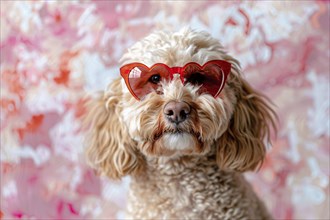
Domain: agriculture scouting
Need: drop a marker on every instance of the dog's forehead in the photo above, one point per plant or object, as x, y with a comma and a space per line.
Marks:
175, 49
171, 56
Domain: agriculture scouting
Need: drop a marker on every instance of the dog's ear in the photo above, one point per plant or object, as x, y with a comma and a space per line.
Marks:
110, 150
242, 146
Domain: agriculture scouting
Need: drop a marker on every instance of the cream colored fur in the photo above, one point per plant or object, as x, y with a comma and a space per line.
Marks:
193, 175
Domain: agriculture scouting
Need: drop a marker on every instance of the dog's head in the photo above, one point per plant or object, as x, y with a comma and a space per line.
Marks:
180, 95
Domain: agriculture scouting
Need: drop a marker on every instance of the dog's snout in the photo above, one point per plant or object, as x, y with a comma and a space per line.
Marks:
176, 112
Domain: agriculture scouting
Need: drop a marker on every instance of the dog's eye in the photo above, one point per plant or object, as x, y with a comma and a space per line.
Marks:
196, 78
155, 79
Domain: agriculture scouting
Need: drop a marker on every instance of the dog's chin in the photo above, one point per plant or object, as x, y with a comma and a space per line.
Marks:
173, 144
179, 141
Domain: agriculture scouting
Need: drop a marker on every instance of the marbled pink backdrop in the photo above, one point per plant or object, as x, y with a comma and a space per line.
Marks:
53, 52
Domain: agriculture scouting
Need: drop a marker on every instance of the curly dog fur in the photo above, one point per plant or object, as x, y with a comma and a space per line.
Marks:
194, 176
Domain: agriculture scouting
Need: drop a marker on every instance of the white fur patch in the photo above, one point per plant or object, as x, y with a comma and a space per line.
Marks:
179, 141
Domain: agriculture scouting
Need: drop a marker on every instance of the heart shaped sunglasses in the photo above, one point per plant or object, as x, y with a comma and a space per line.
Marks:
141, 79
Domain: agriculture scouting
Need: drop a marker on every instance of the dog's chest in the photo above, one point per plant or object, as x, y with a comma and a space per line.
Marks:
192, 192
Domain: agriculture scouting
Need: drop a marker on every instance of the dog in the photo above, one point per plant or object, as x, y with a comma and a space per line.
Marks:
184, 124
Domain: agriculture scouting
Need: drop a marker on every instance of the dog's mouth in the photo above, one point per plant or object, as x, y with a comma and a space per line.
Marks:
174, 141
178, 131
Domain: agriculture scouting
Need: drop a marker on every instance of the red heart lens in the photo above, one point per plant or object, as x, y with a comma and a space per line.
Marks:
210, 77
142, 80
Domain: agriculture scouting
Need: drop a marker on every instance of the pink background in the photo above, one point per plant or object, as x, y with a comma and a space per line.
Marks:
54, 52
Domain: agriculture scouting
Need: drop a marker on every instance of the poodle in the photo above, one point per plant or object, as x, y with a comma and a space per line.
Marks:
184, 124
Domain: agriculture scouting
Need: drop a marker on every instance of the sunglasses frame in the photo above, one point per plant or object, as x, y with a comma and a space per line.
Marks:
224, 65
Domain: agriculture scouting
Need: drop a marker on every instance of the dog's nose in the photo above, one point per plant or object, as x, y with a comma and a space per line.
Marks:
176, 112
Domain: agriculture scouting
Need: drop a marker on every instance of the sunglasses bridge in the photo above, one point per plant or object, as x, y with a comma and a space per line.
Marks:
176, 72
